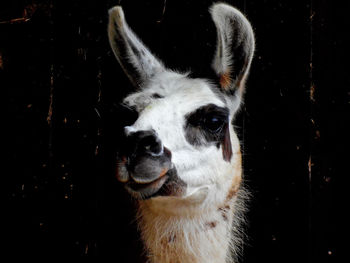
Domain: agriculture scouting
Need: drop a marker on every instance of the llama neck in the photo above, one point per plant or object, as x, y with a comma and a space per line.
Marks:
197, 238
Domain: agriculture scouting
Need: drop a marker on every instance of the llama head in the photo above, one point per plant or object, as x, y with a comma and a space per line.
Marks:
182, 147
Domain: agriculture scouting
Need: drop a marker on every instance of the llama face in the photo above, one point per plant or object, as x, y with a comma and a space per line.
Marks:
191, 121
182, 143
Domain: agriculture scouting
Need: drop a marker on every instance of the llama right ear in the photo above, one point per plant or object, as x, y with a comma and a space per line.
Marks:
235, 47
134, 57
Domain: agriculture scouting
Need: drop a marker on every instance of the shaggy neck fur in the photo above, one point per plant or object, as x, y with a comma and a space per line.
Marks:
199, 234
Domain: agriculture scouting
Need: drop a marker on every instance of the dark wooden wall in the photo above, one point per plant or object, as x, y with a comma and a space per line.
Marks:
61, 84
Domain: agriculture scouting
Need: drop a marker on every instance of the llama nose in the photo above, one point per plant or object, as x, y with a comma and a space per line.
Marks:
145, 143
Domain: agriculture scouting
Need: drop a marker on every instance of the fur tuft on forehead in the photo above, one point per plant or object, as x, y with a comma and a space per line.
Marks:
188, 92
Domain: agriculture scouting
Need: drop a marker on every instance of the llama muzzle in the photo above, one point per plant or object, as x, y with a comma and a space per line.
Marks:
145, 165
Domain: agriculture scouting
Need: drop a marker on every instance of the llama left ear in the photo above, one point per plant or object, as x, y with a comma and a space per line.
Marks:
235, 47
138, 63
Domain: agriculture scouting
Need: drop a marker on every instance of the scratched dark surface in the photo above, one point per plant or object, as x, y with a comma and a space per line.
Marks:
61, 129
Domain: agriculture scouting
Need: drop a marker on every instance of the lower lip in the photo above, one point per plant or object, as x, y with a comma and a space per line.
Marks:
155, 185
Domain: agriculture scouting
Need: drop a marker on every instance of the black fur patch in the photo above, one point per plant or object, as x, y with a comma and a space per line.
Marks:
209, 125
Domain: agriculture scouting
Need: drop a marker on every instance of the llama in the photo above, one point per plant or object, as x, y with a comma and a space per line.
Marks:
182, 163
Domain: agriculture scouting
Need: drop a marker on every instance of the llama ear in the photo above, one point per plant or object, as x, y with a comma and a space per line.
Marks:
134, 57
235, 47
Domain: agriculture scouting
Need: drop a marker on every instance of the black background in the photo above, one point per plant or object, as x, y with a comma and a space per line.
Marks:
62, 83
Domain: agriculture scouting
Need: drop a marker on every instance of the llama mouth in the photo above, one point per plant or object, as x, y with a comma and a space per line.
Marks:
141, 190
168, 184
148, 177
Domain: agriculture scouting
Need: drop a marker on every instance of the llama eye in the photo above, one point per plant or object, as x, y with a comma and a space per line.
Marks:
213, 124
209, 120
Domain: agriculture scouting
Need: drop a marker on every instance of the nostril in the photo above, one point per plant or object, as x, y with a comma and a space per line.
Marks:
140, 143
151, 145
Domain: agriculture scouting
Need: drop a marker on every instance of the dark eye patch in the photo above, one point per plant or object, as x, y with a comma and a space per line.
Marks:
209, 118
213, 122
209, 124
